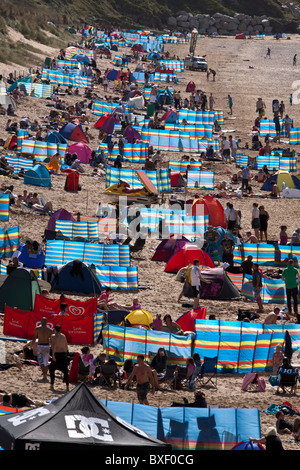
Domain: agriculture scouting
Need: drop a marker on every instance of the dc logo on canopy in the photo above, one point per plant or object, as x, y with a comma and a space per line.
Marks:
79, 426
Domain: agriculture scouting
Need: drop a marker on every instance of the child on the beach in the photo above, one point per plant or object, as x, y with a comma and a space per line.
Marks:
277, 358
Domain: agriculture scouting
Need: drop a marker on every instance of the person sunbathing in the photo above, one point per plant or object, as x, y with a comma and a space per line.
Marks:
105, 302
44, 208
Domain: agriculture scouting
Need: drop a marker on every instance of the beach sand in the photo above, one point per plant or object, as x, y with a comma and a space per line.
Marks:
245, 74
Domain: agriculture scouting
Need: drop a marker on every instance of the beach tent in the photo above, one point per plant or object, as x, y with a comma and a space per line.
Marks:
248, 445
176, 179
187, 320
240, 36
210, 206
154, 56
130, 133
136, 101
220, 288
186, 256
82, 150
60, 214
191, 87
140, 318
113, 74
81, 58
164, 96
109, 124
18, 289
71, 131
72, 181
28, 79
38, 175
5, 100
168, 247
55, 137
11, 142
98, 124
222, 232
281, 177
76, 276
75, 421
170, 117
31, 257
138, 47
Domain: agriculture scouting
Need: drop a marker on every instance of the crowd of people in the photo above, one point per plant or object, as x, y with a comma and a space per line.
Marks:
49, 347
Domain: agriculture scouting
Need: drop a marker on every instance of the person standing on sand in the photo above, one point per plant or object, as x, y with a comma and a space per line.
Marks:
257, 286
196, 279
42, 335
268, 53
230, 104
290, 275
59, 360
144, 378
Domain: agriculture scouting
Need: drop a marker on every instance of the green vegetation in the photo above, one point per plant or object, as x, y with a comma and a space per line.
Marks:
46, 21
35, 14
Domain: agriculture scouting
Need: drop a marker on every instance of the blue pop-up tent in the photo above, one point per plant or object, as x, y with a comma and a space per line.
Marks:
38, 175
81, 58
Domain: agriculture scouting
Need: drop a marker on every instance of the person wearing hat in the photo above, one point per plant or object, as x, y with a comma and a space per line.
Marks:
271, 440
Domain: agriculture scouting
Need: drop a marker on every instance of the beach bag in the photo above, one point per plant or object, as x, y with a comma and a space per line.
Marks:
288, 409
261, 384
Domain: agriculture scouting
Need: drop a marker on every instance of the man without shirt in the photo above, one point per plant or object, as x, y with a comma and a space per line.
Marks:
144, 378
59, 360
42, 335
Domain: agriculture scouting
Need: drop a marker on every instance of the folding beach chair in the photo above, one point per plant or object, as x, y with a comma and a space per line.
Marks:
108, 376
179, 378
170, 373
208, 372
288, 379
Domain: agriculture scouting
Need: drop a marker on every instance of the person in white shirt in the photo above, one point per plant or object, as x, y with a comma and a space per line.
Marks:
225, 149
157, 158
196, 279
255, 219
226, 213
233, 146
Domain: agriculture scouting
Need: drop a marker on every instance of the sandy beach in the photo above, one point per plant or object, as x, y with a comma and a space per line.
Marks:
243, 72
